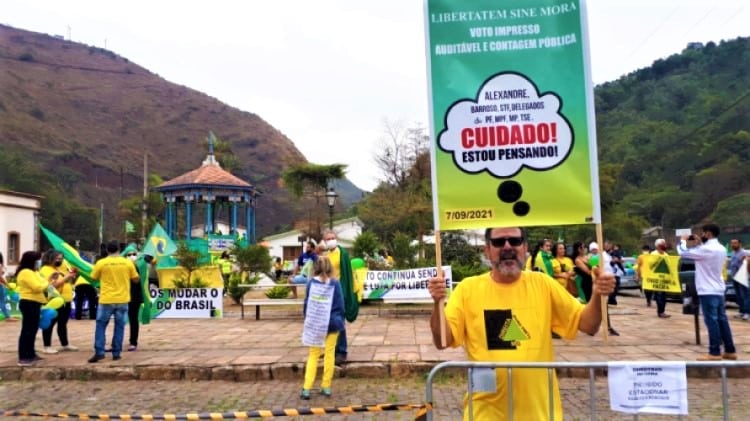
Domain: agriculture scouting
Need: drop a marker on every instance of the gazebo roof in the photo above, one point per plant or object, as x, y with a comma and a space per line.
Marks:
208, 174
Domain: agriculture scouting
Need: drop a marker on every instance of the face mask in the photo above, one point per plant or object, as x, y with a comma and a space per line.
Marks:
58, 264
331, 244
38, 264
133, 258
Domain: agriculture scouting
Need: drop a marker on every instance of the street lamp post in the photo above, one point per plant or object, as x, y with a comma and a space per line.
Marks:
331, 199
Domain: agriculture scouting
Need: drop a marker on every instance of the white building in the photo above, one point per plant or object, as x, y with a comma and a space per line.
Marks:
287, 245
19, 226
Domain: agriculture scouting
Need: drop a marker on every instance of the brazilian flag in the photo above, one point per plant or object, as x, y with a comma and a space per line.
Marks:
159, 244
71, 255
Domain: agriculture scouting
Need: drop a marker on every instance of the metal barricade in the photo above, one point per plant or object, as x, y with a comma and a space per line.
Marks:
551, 366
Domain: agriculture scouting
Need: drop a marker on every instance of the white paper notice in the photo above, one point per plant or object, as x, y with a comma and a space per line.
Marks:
483, 380
318, 314
741, 275
657, 387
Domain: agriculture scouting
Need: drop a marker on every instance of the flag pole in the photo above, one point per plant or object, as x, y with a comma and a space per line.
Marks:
600, 242
101, 223
441, 303
144, 204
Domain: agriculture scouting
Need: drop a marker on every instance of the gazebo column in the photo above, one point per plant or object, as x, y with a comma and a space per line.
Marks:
171, 217
209, 198
234, 200
248, 219
188, 216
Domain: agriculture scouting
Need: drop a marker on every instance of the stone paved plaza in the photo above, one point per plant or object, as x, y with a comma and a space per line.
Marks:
247, 364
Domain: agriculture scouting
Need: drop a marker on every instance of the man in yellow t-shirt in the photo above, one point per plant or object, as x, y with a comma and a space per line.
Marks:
115, 273
506, 315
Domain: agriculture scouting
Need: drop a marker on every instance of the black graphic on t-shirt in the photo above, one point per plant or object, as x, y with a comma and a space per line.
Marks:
494, 320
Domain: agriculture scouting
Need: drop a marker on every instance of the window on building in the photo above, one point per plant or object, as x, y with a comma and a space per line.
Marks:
14, 248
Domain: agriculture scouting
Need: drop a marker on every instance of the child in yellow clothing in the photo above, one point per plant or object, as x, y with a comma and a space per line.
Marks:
324, 289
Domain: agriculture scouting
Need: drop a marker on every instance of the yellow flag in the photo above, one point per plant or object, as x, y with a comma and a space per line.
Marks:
660, 273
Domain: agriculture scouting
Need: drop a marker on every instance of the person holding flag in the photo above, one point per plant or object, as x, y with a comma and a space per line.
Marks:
506, 315
52, 264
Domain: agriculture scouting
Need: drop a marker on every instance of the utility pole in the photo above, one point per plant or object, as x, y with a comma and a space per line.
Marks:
144, 204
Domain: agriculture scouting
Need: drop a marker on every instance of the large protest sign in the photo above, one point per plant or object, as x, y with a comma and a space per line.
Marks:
401, 285
512, 114
186, 303
661, 273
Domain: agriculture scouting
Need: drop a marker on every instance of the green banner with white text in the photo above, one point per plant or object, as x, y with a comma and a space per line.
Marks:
512, 116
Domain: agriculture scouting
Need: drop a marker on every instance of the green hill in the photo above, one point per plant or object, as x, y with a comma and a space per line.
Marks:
674, 138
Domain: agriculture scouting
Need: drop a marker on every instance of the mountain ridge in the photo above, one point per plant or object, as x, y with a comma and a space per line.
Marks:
89, 114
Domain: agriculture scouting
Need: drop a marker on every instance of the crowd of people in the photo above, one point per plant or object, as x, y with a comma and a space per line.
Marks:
552, 291
507, 314
45, 278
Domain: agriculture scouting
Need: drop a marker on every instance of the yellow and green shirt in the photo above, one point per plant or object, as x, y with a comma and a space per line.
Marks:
513, 323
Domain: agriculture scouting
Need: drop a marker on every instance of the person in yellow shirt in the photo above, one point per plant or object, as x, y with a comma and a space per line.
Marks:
639, 262
52, 264
31, 287
115, 273
562, 266
342, 270
540, 259
507, 315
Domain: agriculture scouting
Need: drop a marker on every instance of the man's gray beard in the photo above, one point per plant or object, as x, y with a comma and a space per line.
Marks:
506, 271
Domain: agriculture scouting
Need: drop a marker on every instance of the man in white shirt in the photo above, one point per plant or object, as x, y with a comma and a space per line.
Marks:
709, 260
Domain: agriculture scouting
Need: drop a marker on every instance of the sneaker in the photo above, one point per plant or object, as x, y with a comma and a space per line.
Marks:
740, 316
664, 315
96, 358
326, 391
746, 317
49, 350
12, 319
68, 348
729, 355
710, 357
37, 358
25, 363
132, 348
305, 394
116, 358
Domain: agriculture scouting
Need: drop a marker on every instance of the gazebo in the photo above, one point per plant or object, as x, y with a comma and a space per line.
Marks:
207, 190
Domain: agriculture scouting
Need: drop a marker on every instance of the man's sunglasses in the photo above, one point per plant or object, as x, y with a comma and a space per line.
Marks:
131, 254
500, 241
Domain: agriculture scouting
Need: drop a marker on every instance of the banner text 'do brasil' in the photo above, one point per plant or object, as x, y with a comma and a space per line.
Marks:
512, 116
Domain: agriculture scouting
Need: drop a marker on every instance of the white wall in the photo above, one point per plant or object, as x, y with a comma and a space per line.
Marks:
18, 213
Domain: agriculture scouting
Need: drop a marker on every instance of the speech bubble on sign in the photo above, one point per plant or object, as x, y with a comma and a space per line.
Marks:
507, 127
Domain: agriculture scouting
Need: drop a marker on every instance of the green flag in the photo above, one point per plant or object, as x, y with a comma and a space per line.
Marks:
159, 244
129, 227
70, 254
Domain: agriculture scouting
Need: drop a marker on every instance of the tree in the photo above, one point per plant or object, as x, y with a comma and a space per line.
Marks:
252, 259
403, 202
310, 182
399, 148
366, 244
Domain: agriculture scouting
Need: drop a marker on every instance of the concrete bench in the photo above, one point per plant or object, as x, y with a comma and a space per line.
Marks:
269, 302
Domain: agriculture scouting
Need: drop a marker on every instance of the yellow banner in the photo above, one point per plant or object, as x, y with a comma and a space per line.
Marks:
661, 273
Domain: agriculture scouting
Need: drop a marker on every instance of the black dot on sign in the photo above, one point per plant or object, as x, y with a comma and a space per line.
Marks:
509, 191
521, 208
